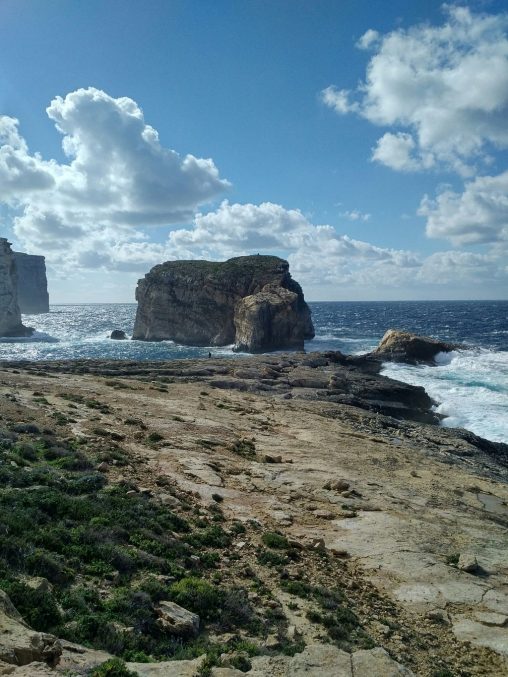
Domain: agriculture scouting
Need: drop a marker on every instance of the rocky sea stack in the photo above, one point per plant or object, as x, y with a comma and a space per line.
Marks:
33, 294
10, 314
251, 301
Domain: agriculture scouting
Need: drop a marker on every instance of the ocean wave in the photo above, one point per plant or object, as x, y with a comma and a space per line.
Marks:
469, 386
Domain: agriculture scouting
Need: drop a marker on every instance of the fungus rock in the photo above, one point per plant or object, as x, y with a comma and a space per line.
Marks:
250, 301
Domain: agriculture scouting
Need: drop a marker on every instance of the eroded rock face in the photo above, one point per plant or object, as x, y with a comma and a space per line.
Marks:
271, 319
10, 314
402, 346
33, 294
19, 644
249, 300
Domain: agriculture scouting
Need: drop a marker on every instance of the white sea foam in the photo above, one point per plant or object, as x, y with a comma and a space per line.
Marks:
470, 388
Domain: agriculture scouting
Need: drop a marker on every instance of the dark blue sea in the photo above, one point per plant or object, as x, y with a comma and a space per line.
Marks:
471, 387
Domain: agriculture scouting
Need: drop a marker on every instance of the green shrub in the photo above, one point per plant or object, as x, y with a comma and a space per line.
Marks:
197, 595
37, 607
113, 668
274, 540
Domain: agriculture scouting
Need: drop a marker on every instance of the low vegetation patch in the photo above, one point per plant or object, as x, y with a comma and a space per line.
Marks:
64, 523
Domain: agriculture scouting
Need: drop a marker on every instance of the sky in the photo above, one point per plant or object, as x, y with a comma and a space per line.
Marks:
364, 141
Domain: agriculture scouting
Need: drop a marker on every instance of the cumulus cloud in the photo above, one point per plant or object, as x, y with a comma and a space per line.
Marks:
452, 267
119, 178
445, 87
477, 215
355, 215
397, 152
338, 99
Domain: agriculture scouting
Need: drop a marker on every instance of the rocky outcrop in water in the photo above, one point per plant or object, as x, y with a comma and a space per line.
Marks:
10, 314
33, 294
250, 301
402, 346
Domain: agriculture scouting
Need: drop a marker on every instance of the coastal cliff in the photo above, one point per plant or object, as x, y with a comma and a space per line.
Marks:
251, 301
33, 294
10, 314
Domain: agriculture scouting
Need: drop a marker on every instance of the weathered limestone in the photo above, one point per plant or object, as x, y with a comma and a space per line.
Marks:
33, 294
204, 303
269, 320
10, 314
19, 644
402, 346
176, 620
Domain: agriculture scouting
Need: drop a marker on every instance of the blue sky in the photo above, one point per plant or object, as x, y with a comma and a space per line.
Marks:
364, 141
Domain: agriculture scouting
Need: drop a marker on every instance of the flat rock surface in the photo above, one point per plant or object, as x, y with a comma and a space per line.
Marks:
416, 492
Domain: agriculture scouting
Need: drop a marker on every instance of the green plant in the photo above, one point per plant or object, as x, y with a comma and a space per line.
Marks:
274, 540
198, 596
114, 667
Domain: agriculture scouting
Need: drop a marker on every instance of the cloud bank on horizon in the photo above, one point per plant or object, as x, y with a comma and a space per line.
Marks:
441, 93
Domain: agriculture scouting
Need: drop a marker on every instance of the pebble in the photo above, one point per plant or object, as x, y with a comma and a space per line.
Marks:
324, 514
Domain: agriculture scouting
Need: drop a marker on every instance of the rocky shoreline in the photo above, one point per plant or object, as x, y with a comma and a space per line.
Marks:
320, 452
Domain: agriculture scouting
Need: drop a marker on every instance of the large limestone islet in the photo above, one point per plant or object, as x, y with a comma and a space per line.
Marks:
249, 301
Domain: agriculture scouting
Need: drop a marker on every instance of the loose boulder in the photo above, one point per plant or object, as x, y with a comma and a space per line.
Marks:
118, 335
402, 346
176, 620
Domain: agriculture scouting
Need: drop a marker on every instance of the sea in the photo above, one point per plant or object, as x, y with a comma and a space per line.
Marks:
470, 387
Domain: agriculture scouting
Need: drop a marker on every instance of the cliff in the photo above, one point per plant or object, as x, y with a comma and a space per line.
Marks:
32, 283
10, 314
249, 300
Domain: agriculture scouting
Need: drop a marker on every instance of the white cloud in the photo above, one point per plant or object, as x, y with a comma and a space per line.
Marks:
397, 152
446, 86
338, 99
355, 215
452, 267
119, 177
478, 215
20, 174
368, 39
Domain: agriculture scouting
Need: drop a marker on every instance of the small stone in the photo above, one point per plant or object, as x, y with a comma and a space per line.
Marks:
438, 616
338, 551
316, 544
272, 642
468, 563
170, 501
293, 633
272, 458
337, 485
324, 514
145, 491
118, 335
103, 467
